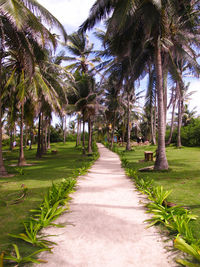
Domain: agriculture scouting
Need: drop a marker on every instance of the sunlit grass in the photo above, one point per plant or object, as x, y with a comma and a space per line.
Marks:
183, 176
38, 178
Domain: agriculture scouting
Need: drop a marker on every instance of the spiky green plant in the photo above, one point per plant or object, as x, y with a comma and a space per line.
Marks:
17, 258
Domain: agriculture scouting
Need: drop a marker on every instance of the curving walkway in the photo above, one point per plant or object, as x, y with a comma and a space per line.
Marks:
105, 227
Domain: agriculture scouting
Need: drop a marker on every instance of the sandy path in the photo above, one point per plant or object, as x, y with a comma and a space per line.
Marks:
108, 223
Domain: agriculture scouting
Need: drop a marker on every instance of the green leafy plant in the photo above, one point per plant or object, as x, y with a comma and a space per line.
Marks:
124, 162
161, 214
180, 224
46, 214
131, 173
31, 235
144, 186
192, 250
20, 170
16, 257
60, 192
158, 194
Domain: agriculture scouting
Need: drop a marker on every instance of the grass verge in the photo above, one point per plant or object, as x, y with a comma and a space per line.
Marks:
36, 179
182, 184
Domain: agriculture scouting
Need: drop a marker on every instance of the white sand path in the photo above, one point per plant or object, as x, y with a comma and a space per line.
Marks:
108, 223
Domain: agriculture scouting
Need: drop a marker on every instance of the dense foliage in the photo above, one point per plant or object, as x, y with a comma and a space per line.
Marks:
190, 134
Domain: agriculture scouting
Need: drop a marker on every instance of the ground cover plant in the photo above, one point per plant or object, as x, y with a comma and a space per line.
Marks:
47, 185
173, 195
183, 178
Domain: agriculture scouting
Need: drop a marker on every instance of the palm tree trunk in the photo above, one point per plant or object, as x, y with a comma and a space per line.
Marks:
78, 131
64, 133
39, 154
89, 136
49, 134
128, 144
172, 123
107, 135
113, 132
31, 137
45, 137
3, 171
83, 142
79, 138
21, 161
123, 136
161, 160
42, 133
11, 139
154, 123
26, 137
180, 115
153, 134
165, 93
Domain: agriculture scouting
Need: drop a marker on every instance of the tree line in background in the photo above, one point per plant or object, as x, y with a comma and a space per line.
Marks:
158, 39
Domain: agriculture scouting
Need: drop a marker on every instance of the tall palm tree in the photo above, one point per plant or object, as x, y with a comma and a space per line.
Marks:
19, 22
136, 28
150, 104
84, 100
173, 102
81, 50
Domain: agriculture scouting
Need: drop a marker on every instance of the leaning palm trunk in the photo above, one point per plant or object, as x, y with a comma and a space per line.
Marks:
180, 115
154, 124
161, 160
128, 144
153, 129
89, 136
64, 132
172, 124
3, 171
21, 161
165, 94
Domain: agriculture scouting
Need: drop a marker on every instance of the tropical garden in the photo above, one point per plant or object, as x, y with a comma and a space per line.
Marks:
103, 92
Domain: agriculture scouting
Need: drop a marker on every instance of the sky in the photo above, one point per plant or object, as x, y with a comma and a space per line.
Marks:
72, 13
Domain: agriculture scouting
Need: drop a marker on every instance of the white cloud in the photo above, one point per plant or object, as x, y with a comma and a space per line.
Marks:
71, 13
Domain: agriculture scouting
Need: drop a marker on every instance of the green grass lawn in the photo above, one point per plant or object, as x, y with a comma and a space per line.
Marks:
183, 176
38, 178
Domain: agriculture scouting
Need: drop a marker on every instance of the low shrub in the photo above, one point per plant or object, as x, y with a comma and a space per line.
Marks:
176, 219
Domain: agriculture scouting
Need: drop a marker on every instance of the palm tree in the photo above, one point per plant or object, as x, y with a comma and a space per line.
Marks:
83, 65
138, 29
79, 46
83, 99
18, 25
129, 21
150, 104
173, 102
